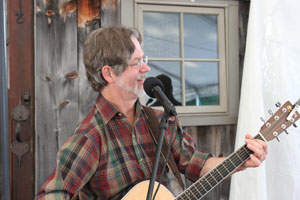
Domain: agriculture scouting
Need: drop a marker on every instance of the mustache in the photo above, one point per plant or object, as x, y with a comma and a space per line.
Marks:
142, 77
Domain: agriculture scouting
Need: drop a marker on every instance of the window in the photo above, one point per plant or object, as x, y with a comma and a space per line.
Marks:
193, 49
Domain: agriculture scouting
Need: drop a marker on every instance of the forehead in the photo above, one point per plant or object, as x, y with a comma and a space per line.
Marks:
138, 52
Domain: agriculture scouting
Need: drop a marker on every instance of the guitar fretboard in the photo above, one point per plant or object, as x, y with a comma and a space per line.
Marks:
211, 179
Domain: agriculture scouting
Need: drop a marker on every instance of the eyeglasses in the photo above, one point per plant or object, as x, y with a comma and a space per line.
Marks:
140, 63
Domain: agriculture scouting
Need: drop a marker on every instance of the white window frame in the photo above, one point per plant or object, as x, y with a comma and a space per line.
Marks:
228, 47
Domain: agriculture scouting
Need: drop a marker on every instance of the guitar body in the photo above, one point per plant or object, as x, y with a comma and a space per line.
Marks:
140, 191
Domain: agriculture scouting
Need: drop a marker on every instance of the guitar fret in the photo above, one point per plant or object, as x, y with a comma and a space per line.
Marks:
202, 187
208, 179
193, 194
219, 172
245, 151
248, 151
239, 157
189, 194
259, 136
199, 184
213, 179
206, 186
222, 170
236, 160
232, 163
225, 168
198, 192
229, 165
183, 194
208, 182
220, 175
194, 189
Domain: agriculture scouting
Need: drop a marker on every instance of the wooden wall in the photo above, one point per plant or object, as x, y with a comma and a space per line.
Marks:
63, 95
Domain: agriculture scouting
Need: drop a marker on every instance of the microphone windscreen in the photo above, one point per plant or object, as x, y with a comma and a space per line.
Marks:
150, 83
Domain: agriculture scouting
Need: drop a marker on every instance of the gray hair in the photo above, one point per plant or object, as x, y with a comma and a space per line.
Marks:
110, 46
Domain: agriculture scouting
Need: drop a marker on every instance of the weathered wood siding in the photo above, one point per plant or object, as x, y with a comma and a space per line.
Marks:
56, 96
63, 96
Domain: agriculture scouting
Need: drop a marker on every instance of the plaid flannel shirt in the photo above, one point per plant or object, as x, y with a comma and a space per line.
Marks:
106, 156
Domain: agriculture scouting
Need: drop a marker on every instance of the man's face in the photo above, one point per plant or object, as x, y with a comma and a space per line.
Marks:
132, 79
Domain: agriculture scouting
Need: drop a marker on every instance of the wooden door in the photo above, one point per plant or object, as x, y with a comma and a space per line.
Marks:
20, 47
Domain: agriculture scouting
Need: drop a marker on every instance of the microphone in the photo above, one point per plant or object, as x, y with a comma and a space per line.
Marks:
154, 88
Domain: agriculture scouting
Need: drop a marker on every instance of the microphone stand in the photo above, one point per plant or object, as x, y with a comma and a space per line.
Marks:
163, 125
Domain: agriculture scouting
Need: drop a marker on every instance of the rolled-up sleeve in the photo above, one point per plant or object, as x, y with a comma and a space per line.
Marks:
188, 157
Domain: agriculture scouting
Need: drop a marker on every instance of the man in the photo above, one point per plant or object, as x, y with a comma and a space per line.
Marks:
112, 149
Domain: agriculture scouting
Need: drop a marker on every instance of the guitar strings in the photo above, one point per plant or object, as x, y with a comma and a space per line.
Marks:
220, 173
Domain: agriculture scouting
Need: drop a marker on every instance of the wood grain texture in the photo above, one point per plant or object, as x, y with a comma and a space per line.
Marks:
57, 96
64, 96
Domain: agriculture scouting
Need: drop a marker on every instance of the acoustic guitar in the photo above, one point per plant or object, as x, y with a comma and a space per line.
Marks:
284, 117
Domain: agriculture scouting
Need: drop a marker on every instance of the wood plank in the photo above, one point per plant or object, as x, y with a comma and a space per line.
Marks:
56, 95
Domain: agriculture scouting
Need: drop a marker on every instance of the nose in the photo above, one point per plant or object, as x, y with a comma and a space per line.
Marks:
144, 68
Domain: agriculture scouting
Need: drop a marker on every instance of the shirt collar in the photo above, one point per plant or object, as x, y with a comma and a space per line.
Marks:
108, 111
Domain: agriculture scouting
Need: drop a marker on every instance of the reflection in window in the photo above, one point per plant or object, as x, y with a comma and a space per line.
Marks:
201, 83
200, 36
161, 34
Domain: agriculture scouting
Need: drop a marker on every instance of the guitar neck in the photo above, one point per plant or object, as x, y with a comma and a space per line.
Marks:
211, 179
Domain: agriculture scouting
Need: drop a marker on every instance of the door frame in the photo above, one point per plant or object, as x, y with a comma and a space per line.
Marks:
20, 48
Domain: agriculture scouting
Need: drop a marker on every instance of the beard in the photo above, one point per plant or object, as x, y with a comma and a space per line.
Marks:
135, 90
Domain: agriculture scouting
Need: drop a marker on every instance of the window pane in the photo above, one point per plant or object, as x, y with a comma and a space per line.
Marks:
201, 83
161, 34
169, 74
200, 36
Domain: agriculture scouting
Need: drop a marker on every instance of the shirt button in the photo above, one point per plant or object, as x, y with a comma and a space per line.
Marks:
141, 160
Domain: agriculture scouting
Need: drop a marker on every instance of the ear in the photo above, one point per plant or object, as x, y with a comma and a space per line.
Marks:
107, 73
